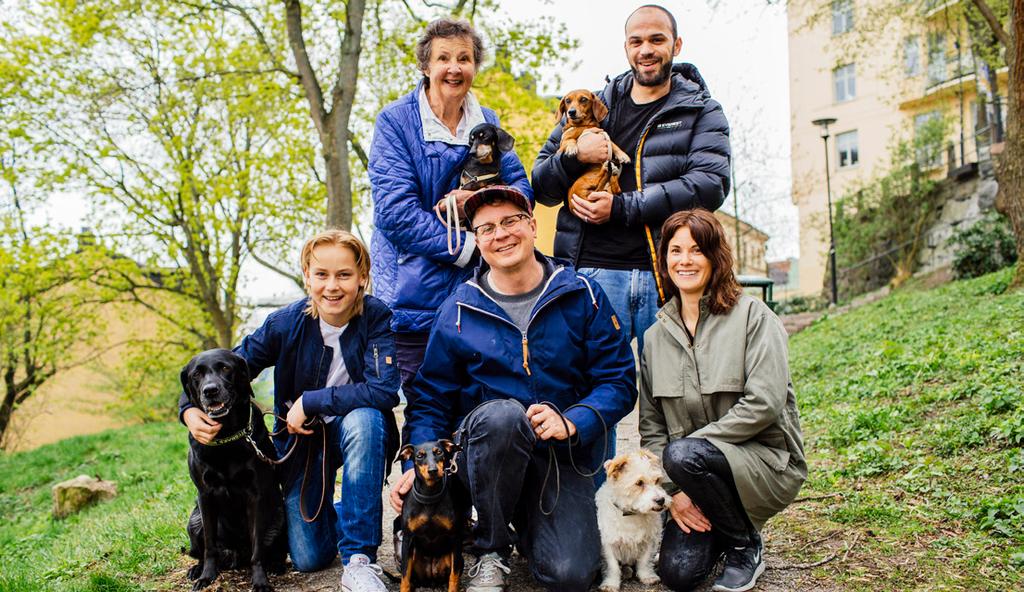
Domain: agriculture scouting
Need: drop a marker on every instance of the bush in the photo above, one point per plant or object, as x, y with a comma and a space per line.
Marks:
984, 247
798, 304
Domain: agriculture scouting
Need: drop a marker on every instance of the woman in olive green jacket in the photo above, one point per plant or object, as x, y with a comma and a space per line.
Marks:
717, 403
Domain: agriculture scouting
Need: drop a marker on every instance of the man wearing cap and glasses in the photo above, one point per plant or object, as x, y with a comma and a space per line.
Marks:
527, 365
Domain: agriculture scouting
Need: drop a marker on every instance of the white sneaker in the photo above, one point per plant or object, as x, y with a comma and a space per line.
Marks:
362, 576
488, 574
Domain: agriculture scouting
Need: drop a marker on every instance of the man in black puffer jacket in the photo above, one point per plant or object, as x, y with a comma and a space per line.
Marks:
662, 115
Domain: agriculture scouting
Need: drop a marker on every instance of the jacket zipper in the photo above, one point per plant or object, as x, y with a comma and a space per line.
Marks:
526, 341
376, 362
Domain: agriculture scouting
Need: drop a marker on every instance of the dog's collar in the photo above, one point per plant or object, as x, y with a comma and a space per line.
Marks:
468, 178
624, 511
429, 498
245, 432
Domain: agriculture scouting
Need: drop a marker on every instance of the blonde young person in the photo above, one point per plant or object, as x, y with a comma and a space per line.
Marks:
333, 358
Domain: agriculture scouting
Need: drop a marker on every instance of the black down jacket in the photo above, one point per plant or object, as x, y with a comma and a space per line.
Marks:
682, 163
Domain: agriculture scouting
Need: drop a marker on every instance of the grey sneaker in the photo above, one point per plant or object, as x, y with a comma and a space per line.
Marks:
489, 574
362, 576
743, 565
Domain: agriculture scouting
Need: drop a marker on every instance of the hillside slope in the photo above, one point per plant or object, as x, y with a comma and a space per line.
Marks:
914, 420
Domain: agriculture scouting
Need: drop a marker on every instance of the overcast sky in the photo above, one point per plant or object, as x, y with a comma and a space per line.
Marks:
740, 48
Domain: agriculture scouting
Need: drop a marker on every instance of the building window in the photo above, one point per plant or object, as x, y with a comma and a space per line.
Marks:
846, 146
842, 16
936, 58
844, 81
928, 140
911, 56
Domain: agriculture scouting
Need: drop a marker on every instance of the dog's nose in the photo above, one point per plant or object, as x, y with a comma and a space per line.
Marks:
210, 390
572, 113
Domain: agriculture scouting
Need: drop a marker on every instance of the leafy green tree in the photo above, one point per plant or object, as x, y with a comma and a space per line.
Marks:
188, 142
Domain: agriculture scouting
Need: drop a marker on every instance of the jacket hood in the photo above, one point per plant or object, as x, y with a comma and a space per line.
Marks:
688, 87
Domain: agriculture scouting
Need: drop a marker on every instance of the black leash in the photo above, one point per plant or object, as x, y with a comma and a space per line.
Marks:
553, 460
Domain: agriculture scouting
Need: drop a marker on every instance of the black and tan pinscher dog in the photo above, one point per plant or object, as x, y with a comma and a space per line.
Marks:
435, 518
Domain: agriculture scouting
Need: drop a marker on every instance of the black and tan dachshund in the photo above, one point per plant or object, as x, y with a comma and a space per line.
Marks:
435, 519
238, 519
487, 142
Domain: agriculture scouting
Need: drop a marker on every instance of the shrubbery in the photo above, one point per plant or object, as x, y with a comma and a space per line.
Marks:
984, 247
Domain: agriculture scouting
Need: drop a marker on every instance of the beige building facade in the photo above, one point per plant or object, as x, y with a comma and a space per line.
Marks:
881, 69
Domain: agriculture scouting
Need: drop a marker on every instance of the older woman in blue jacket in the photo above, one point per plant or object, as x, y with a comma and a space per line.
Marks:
419, 145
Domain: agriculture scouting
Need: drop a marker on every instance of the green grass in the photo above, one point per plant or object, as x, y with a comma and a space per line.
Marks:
913, 413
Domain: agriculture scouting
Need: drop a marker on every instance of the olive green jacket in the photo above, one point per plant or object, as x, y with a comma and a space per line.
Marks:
731, 387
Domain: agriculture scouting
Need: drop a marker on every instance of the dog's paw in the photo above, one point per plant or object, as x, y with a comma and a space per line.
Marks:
648, 579
571, 149
202, 583
266, 587
614, 168
608, 587
194, 571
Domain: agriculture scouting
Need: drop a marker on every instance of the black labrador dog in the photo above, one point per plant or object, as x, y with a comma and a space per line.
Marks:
239, 515
487, 142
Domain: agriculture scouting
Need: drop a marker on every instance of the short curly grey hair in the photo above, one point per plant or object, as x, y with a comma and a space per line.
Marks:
446, 28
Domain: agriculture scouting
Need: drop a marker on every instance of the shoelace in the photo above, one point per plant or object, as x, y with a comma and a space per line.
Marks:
490, 569
360, 577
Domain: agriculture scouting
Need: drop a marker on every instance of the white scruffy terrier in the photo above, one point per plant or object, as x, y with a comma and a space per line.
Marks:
629, 505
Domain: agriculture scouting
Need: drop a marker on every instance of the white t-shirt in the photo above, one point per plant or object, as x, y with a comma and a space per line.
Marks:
338, 373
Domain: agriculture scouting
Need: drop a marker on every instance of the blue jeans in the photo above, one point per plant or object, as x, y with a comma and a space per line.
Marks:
634, 297
358, 443
503, 467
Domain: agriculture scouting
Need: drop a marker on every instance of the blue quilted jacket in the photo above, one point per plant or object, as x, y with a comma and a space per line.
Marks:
412, 270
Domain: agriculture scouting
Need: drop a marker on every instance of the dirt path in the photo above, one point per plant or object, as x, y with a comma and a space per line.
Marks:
774, 580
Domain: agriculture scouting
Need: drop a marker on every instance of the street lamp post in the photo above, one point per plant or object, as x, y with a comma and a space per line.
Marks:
823, 123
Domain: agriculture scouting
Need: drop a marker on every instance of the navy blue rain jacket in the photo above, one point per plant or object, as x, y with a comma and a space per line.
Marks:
682, 162
574, 348
291, 342
412, 270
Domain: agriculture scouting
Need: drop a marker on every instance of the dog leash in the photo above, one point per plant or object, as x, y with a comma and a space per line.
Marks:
451, 222
553, 460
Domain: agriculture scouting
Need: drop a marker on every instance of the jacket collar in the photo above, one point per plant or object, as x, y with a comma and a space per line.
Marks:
435, 131
688, 88
563, 280
670, 318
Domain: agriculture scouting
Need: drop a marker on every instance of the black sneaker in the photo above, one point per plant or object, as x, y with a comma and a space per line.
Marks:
743, 565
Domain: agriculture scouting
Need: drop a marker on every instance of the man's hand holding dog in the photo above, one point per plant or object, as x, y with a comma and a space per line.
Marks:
199, 424
296, 418
400, 488
548, 424
687, 515
596, 209
592, 148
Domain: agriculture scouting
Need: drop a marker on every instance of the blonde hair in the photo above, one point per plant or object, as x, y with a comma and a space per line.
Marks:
340, 238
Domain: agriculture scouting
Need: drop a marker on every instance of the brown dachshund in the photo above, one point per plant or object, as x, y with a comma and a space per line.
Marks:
583, 113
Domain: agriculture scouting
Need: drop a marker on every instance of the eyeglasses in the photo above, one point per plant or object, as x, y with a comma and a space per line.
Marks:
508, 223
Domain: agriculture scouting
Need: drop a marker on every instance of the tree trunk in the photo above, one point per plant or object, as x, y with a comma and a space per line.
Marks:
1010, 200
7, 405
331, 125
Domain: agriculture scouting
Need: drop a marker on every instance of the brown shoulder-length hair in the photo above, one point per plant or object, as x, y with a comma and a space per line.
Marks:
723, 291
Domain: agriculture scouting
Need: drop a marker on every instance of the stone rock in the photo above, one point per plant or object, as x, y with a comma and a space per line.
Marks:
71, 496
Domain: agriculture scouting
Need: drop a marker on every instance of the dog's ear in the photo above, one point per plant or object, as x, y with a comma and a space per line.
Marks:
186, 384
406, 452
600, 110
449, 446
563, 106
615, 466
240, 374
505, 140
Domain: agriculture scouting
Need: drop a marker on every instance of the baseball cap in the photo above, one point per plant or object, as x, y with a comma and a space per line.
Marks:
492, 194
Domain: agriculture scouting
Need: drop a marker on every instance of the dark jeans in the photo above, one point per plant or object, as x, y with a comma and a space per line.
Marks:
503, 467
409, 350
702, 472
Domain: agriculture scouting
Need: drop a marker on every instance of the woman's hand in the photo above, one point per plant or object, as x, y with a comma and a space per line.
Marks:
460, 195
199, 424
548, 424
687, 515
297, 417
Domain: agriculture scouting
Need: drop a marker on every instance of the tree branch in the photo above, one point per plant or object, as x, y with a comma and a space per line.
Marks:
993, 22
307, 76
